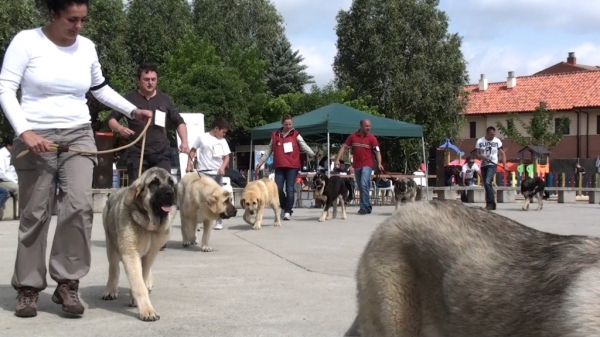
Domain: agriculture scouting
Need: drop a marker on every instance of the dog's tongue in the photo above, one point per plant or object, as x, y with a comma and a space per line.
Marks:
167, 208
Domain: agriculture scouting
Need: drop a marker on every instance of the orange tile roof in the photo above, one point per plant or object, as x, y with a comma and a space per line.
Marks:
560, 91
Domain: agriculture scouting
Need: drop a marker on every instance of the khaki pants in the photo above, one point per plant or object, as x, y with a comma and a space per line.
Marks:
70, 255
11, 187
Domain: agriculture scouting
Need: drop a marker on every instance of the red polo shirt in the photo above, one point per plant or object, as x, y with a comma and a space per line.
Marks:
362, 149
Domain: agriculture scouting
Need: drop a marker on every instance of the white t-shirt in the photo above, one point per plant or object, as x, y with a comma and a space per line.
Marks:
468, 172
7, 171
210, 151
54, 81
488, 150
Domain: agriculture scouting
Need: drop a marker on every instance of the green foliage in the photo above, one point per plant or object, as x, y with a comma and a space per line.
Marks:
199, 81
285, 73
400, 53
296, 103
245, 23
107, 18
156, 28
540, 131
15, 15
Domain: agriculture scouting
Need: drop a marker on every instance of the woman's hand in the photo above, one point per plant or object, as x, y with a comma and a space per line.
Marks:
142, 115
35, 143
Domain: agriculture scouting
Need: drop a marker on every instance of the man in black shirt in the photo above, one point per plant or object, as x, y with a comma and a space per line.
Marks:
157, 152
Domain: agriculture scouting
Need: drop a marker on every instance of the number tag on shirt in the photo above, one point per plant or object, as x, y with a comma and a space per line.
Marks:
159, 118
287, 147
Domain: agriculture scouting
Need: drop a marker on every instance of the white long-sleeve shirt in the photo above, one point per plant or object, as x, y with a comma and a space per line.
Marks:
7, 171
54, 81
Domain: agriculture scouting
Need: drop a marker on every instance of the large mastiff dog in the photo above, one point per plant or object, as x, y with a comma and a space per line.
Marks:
137, 222
447, 269
201, 199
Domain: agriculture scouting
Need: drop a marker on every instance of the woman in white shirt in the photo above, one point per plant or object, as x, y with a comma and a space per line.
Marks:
55, 67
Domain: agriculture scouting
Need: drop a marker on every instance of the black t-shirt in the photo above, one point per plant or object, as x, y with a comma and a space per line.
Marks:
156, 136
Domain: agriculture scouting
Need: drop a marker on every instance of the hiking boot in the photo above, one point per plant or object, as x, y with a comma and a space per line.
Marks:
66, 294
26, 303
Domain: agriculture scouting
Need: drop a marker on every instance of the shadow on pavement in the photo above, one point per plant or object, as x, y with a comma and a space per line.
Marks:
92, 296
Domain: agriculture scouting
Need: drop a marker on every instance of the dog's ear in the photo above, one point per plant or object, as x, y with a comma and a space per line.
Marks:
243, 203
213, 204
175, 193
261, 202
133, 192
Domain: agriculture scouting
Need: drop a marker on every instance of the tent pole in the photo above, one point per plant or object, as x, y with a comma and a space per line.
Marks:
328, 158
250, 163
426, 169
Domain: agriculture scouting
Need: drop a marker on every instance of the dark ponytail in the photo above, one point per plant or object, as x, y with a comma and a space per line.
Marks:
58, 6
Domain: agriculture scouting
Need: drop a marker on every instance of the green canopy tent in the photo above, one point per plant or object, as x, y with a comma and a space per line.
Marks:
334, 122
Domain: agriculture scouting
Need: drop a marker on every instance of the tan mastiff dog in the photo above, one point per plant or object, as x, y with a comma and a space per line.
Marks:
201, 199
137, 222
257, 195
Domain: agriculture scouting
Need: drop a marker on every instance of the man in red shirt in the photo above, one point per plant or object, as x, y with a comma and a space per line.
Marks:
363, 144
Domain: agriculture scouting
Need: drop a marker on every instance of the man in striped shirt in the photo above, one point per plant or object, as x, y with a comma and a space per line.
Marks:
363, 144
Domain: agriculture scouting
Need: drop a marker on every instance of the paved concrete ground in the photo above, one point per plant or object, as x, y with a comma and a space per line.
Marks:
297, 280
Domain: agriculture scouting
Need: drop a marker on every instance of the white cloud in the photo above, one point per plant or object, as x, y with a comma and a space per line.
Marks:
310, 27
496, 62
319, 60
524, 36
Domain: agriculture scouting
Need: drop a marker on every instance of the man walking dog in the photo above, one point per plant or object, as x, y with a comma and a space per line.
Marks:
488, 148
213, 154
363, 144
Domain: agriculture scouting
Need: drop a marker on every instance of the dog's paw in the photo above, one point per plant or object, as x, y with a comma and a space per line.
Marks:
206, 249
328, 217
189, 243
149, 315
344, 216
277, 224
255, 227
110, 295
149, 286
321, 219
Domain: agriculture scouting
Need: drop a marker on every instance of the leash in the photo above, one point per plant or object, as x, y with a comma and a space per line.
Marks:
65, 148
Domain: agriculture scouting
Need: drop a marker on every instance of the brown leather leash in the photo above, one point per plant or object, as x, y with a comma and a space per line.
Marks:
66, 148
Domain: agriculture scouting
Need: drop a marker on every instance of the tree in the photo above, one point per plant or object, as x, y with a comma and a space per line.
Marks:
543, 128
245, 23
15, 15
156, 28
286, 74
107, 18
400, 54
198, 80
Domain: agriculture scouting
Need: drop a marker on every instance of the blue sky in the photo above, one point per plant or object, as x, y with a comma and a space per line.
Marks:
499, 36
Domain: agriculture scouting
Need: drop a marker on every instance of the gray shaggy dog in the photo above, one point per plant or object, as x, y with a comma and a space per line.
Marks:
447, 269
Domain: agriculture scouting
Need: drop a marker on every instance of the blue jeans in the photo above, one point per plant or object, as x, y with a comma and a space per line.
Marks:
286, 176
363, 182
488, 172
3, 196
